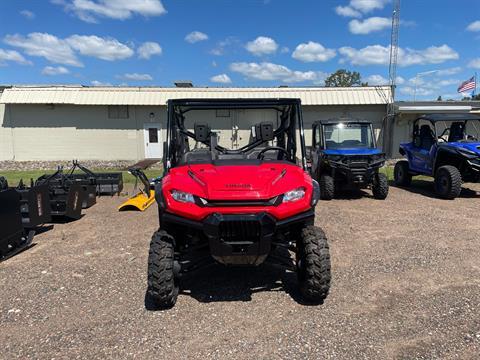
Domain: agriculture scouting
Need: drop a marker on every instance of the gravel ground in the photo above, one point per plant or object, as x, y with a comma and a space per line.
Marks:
406, 284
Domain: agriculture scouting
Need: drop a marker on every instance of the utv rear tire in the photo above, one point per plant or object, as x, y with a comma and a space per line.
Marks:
448, 182
401, 173
380, 186
327, 187
163, 285
313, 264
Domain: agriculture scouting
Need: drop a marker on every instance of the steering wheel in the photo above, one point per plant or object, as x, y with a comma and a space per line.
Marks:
261, 154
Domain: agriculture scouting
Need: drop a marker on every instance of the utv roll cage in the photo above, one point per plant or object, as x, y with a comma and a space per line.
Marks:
289, 111
436, 118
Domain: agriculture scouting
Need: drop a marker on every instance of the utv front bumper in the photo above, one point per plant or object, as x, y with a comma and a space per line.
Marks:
239, 239
355, 172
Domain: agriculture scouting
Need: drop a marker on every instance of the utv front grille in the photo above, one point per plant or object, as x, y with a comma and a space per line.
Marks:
240, 231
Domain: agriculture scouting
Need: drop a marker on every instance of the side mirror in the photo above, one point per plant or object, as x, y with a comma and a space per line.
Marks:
264, 131
202, 132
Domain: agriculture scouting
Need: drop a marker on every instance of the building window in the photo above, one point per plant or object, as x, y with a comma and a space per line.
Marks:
118, 112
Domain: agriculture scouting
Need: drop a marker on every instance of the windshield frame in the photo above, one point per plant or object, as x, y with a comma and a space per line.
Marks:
333, 123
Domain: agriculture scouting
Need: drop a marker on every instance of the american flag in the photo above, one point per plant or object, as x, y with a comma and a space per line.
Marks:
467, 85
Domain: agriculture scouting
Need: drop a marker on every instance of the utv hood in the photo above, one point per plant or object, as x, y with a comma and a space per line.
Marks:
352, 151
246, 182
247, 188
471, 146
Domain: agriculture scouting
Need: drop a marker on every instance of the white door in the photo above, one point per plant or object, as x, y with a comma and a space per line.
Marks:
153, 141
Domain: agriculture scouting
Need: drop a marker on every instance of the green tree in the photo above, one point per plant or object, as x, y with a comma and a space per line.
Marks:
344, 78
439, 98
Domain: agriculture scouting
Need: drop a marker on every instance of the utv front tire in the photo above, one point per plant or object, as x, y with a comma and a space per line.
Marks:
448, 182
327, 187
313, 264
380, 186
401, 174
163, 285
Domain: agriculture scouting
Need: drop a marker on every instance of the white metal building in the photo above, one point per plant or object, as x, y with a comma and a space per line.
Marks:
113, 123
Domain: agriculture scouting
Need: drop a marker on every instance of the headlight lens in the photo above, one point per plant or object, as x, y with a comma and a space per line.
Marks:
183, 197
294, 195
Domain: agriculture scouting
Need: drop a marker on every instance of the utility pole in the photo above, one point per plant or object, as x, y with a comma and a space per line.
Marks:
392, 75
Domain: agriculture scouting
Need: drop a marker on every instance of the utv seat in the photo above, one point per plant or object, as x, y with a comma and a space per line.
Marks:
197, 157
457, 132
269, 155
426, 137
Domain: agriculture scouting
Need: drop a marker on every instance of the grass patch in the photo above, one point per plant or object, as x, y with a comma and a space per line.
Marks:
14, 177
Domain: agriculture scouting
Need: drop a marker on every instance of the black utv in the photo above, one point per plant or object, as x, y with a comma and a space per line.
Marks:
344, 156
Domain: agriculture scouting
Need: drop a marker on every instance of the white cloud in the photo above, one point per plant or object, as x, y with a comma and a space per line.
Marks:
55, 70
475, 63
102, 48
370, 55
347, 11
90, 10
356, 8
262, 45
400, 80
366, 6
474, 26
148, 49
14, 56
369, 25
196, 36
269, 72
100, 83
284, 50
313, 52
136, 77
379, 55
377, 80
27, 14
45, 45
221, 78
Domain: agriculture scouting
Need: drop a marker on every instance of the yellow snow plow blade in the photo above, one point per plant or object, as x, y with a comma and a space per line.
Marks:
138, 202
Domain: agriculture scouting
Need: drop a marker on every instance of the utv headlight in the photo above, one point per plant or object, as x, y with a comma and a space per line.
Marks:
294, 195
183, 197
316, 192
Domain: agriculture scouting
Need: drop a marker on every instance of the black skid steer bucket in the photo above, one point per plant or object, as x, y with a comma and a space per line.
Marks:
105, 183
13, 238
66, 197
34, 205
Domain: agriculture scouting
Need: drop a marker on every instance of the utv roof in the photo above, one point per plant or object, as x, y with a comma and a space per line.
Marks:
448, 117
233, 103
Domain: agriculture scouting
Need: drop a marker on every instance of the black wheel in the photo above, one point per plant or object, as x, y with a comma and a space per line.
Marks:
401, 174
163, 284
327, 187
448, 182
380, 186
313, 264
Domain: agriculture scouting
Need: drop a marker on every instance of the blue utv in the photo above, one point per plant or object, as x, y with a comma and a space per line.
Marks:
344, 155
444, 146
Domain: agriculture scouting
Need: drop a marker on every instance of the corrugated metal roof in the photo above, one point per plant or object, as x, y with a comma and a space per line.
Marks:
370, 95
